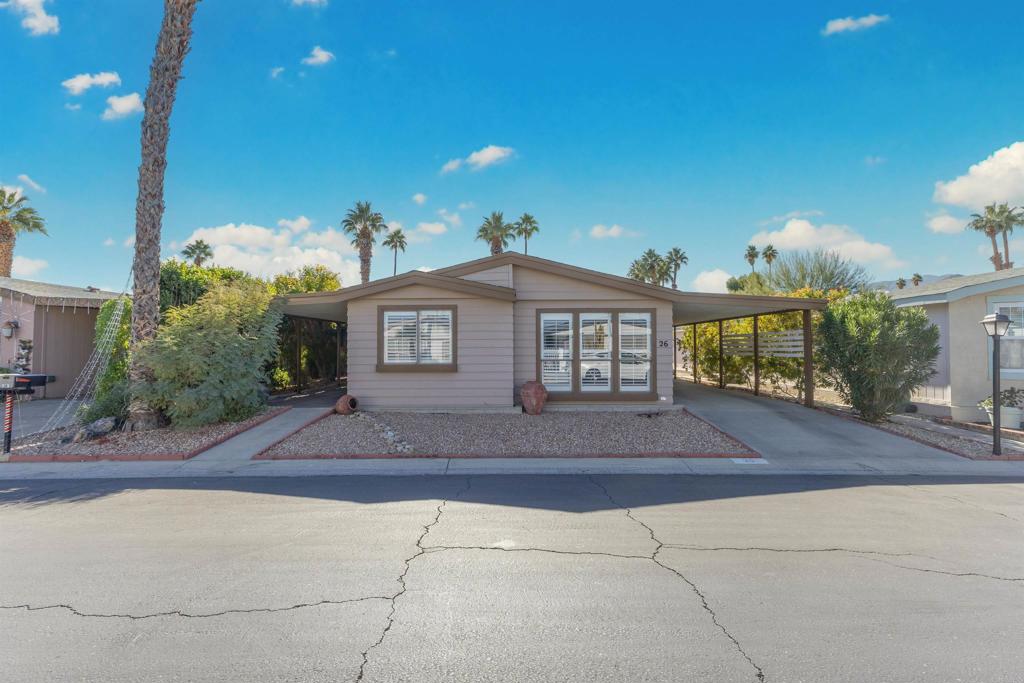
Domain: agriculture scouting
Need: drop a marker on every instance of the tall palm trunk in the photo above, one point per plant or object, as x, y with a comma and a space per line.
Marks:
996, 260
7, 237
526, 246
365, 255
495, 246
1007, 263
675, 275
395, 271
164, 73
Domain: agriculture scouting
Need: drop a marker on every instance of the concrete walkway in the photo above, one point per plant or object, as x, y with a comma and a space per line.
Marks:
792, 439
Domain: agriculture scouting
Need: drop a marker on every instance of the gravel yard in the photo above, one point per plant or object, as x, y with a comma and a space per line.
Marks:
974, 446
510, 434
167, 443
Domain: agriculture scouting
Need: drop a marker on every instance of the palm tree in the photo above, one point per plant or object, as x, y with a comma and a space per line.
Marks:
656, 270
751, 256
363, 224
916, 279
676, 258
901, 283
636, 271
198, 251
395, 241
986, 223
495, 231
1006, 219
769, 254
15, 218
172, 44
526, 227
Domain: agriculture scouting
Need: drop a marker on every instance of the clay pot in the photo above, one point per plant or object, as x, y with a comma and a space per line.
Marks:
346, 405
533, 395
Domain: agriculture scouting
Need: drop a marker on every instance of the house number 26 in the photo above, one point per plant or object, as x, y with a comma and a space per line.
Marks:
662, 344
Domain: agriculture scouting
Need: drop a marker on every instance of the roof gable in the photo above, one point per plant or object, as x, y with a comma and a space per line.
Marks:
406, 279
954, 288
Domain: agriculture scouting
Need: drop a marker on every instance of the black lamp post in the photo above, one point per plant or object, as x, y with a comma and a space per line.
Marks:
996, 325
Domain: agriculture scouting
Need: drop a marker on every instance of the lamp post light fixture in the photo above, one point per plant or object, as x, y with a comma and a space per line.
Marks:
996, 325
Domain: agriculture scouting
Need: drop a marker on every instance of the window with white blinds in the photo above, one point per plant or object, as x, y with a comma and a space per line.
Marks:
634, 351
415, 337
556, 351
595, 351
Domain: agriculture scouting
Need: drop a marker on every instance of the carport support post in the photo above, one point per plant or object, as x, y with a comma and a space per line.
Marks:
757, 362
808, 360
696, 378
721, 358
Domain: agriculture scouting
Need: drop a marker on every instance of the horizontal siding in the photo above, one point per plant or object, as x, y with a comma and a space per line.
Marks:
484, 343
537, 285
500, 276
525, 347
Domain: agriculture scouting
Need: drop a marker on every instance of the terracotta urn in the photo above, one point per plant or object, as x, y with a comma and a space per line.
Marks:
346, 405
533, 396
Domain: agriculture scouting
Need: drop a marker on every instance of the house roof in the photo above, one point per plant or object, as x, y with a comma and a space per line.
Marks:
687, 307
955, 288
59, 295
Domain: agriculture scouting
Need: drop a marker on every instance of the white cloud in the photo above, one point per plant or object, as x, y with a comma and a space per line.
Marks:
420, 198
27, 267
999, 178
711, 281
424, 232
276, 71
296, 225
129, 242
309, 3
76, 85
480, 159
874, 160
452, 219
119, 107
799, 233
393, 225
424, 269
851, 24
488, 156
34, 16
792, 214
466, 205
72, 107
318, 57
268, 251
945, 224
109, 242
451, 165
31, 183
601, 232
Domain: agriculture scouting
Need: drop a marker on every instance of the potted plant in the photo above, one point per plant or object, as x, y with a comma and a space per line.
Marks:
1011, 402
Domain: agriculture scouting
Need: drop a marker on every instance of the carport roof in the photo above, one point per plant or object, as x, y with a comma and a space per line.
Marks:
687, 307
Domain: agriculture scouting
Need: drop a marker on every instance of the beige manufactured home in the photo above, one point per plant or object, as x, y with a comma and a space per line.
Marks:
470, 335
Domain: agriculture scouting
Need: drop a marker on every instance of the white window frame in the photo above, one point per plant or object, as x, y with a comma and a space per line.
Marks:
591, 355
419, 363
996, 304
625, 315
560, 355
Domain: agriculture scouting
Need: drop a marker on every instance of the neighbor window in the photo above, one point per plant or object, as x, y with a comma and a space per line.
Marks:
417, 339
556, 351
1011, 347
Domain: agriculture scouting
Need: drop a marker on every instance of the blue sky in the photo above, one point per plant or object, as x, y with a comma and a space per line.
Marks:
620, 126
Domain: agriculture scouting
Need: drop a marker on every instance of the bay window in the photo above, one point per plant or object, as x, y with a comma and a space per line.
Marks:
413, 339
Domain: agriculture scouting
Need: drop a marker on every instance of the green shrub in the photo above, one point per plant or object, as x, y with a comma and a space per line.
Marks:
111, 396
208, 361
875, 354
182, 283
280, 378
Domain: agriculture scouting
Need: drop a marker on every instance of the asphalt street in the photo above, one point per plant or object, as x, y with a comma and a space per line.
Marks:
506, 578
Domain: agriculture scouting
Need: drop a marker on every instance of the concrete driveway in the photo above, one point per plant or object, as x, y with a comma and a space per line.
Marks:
796, 437
571, 578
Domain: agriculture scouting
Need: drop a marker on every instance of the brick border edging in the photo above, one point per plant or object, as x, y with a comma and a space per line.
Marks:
149, 457
917, 439
264, 455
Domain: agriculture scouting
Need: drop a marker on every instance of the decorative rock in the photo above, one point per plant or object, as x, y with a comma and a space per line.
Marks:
346, 405
533, 395
96, 429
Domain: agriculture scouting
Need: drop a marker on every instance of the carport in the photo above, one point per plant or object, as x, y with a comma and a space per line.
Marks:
695, 309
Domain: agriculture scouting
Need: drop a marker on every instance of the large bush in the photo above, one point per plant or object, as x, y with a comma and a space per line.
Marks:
209, 360
182, 283
875, 354
111, 394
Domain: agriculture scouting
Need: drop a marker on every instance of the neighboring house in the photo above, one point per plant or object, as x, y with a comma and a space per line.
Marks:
470, 335
964, 367
59, 322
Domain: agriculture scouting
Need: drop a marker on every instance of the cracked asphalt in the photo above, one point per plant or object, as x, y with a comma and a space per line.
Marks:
530, 578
